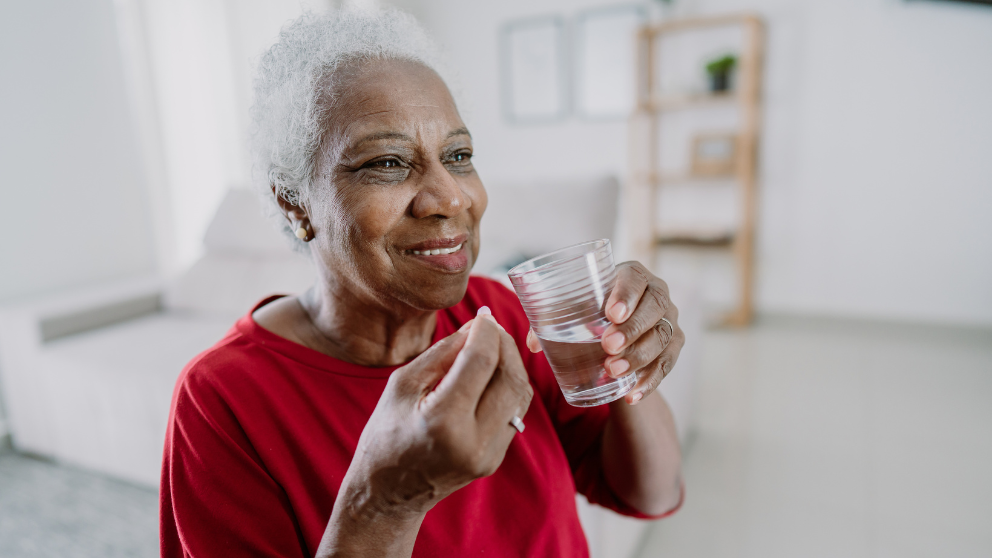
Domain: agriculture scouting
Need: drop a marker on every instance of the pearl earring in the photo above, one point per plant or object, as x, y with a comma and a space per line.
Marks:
301, 233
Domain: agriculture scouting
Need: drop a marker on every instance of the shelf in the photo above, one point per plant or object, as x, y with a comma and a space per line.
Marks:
697, 239
680, 25
657, 111
659, 179
674, 102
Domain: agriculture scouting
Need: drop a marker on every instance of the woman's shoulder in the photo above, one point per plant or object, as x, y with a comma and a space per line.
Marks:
229, 356
240, 359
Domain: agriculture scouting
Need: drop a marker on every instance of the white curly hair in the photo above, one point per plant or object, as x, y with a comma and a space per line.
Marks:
291, 100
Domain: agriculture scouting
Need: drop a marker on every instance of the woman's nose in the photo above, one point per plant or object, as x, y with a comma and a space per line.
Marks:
440, 194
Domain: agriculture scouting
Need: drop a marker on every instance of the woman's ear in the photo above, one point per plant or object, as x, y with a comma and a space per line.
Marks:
299, 220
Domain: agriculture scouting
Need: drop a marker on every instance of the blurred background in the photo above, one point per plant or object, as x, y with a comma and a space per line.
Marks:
812, 177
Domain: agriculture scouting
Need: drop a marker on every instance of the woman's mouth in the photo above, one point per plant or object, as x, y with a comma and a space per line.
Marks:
449, 255
436, 251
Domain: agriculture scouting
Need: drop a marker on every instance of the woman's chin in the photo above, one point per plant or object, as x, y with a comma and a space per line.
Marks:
437, 290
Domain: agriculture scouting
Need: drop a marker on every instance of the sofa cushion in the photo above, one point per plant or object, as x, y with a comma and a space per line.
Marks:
246, 259
230, 284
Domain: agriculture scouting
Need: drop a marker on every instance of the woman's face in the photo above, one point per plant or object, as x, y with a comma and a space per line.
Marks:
396, 205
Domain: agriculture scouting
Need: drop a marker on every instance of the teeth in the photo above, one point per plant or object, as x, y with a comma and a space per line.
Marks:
437, 251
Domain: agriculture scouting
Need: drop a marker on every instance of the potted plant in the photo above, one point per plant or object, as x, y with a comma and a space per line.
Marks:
719, 71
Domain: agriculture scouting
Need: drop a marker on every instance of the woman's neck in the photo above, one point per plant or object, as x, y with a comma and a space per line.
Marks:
346, 327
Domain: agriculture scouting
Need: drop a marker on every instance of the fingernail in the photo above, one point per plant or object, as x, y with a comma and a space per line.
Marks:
486, 313
637, 397
618, 367
619, 311
614, 341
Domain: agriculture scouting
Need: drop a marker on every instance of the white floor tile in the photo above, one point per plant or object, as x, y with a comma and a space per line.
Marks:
846, 439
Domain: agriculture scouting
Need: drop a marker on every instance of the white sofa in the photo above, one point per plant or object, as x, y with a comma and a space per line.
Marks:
87, 377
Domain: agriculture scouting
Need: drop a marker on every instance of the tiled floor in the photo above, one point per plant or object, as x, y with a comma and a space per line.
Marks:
815, 438
839, 439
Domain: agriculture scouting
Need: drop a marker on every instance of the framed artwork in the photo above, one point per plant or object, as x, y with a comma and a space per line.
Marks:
714, 155
606, 61
534, 70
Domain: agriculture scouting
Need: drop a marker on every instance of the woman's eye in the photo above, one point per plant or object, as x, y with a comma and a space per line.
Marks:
461, 157
385, 163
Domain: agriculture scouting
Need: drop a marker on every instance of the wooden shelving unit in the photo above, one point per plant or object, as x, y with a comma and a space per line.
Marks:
645, 179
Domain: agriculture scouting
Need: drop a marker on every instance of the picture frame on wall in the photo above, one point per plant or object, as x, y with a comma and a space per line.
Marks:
605, 59
534, 84
714, 154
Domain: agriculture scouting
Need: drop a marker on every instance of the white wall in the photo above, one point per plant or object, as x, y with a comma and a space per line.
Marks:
190, 78
876, 161
73, 207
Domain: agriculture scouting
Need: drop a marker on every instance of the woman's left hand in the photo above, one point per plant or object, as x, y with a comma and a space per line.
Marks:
638, 340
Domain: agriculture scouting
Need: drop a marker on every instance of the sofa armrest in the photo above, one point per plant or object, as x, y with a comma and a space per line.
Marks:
79, 310
26, 326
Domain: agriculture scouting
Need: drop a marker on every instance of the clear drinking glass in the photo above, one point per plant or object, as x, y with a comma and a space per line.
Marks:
564, 294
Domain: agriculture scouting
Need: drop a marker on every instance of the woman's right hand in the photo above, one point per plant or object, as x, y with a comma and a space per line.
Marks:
442, 422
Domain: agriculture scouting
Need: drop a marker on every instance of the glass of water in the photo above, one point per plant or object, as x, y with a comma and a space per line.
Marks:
564, 294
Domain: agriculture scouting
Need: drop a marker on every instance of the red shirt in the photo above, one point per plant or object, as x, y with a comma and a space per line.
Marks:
262, 430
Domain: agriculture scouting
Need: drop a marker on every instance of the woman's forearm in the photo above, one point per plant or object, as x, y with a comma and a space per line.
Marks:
363, 527
641, 457
364, 538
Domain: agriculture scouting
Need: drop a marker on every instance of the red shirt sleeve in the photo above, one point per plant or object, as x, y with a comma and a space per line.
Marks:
580, 429
215, 492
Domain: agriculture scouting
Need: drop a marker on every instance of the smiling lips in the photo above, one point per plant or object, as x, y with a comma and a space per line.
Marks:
436, 251
445, 254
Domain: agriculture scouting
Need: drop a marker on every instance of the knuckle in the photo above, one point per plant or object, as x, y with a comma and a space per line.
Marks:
664, 369
636, 325
649, 385
520, 387
486, 469
398, 383
477, 464
641, 355
654, 380
640, 272
635, 266
659, 297
528, 395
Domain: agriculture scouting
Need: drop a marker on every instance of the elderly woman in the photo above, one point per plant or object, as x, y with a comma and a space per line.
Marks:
371, 415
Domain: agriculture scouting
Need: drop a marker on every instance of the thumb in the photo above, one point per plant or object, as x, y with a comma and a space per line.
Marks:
532, 343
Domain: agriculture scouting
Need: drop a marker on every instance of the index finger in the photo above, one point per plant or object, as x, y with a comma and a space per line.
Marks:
632, 281
474, 365
509, 392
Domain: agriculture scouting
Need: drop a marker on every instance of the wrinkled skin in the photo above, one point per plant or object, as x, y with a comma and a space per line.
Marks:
394, 171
